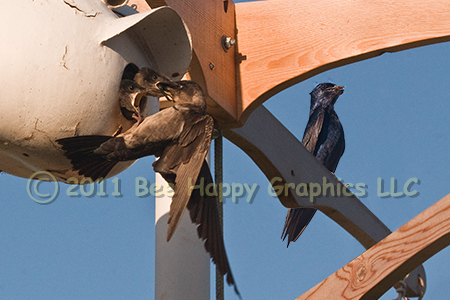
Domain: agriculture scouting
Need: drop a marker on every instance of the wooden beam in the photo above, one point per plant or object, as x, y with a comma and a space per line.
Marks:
212, 66
371, 274
283, 42
279, 154
287, 41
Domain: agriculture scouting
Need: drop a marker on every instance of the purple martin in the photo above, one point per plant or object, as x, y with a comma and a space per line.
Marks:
131, 92
149, 79
180, 136
324, 138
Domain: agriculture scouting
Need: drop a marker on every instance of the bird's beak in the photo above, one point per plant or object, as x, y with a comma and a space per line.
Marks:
153, 90
167, 89
339, 88
137, 99
136, 104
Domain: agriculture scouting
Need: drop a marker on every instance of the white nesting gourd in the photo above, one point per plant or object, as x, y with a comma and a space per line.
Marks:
61, 65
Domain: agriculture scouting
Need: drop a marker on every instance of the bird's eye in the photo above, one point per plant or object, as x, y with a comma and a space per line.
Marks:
155, 77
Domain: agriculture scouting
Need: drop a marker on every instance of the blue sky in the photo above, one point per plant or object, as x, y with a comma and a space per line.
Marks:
394, 112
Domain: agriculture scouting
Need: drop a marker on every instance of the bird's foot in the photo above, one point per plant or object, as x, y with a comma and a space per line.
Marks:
138, 118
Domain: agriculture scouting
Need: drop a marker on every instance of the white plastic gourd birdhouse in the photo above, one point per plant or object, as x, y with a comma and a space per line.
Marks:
62, 62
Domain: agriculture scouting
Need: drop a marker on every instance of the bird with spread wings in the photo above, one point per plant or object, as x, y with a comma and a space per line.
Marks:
180, 136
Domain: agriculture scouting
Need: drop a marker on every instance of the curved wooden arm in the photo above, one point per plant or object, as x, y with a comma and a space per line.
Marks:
288, 41
283, 42
371, 274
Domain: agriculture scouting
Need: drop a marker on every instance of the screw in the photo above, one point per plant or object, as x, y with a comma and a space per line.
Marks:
227, 43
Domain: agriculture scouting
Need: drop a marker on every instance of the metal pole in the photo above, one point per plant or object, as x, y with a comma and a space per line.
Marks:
218, 178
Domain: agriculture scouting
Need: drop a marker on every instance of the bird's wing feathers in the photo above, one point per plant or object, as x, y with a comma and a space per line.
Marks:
184, 165
189, 141
313, 130
184, 160
204, 212
196, 129
332, 144
297, 219
330, 153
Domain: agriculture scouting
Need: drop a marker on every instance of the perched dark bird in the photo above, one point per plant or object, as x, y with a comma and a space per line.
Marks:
324, 138
180, 136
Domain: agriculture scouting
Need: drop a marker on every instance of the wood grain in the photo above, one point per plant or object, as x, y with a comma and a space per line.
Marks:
287, 41
372, 273
278, 153
212, 67
283, 42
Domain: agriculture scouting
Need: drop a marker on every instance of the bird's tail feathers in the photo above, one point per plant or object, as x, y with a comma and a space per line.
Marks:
80, 151
296, 221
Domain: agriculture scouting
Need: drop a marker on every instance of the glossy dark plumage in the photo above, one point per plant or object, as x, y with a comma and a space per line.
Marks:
324, 138
180, 136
